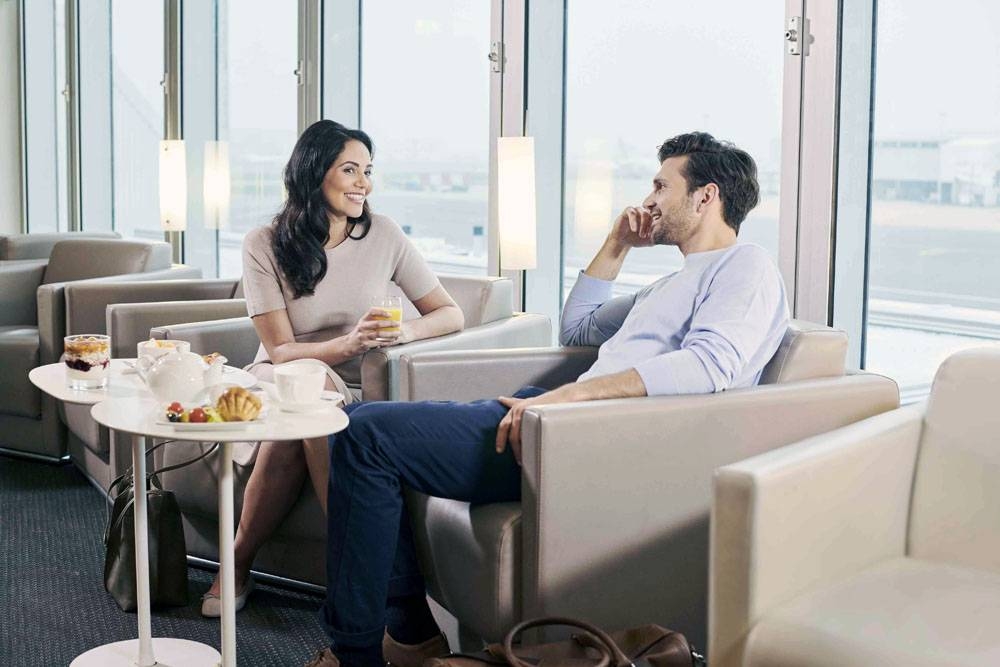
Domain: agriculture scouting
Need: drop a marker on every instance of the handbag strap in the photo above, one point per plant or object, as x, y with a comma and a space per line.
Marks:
610, 653
112, 526
125, 478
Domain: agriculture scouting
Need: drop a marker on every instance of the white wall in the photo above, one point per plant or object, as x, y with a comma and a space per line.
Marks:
10, 127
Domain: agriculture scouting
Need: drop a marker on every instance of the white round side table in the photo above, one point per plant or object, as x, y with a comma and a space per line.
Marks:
138, 416
125, 405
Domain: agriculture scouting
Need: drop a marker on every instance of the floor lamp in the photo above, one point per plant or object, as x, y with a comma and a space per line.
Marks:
173, 194
516, 209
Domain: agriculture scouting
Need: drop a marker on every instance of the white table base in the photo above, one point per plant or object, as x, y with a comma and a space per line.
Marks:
169, 653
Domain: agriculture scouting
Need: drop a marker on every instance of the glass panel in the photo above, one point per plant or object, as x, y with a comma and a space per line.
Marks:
44, 77
677, 67
431, 159
62, 184
935, 192
258, 53
137, 116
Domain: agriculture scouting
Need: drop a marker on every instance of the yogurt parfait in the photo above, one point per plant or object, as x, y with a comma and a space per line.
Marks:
88, 360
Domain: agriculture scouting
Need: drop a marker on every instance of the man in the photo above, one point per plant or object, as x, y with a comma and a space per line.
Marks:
711, 326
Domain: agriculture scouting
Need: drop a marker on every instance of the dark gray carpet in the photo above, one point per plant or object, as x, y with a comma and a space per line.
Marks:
53, 606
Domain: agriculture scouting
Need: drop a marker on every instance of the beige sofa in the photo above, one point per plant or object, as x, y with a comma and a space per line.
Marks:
875, 544
613, 521
33, 323
297, 551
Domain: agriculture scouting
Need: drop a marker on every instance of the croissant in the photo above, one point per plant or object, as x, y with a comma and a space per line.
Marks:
238, 405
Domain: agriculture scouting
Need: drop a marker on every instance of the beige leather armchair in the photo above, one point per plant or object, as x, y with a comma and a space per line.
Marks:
613, 521
297, 551
126, 311
33, 322
875, 544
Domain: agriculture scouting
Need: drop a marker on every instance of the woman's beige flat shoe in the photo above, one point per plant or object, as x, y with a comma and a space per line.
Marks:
211, 605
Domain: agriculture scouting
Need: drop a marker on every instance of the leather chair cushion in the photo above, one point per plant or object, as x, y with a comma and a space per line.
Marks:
807, 351
955, 511
18, 355
39, 246
901, 612
476, 556
94, 258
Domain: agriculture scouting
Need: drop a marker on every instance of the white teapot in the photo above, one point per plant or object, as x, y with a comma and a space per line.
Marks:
179, 376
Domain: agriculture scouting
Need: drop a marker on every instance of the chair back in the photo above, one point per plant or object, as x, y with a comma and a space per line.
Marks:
955, 509
807, 351
483, 299
39, 246
98, 258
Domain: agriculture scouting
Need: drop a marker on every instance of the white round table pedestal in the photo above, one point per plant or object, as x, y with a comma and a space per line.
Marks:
168, 652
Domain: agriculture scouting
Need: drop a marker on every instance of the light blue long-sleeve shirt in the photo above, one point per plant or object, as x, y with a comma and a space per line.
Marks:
711, 326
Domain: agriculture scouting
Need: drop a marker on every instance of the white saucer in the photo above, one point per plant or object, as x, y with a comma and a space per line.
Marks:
330, 400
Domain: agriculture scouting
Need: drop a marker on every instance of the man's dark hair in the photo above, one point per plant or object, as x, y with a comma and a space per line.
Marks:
712, 161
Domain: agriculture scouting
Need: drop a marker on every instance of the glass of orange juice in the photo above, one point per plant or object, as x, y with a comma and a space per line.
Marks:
393, 305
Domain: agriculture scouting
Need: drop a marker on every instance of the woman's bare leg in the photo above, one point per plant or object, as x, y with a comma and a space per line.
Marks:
273, 487
317, 455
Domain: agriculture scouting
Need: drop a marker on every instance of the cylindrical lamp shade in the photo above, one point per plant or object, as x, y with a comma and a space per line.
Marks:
216, 190
516, 202
173, 186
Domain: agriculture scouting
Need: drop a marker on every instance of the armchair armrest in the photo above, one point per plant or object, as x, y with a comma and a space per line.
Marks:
87, 302
130, 323
235, 337
468, 375
804, 515
616, 494
18, 285
380, 368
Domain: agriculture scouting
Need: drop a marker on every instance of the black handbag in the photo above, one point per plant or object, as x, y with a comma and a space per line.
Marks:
167, 549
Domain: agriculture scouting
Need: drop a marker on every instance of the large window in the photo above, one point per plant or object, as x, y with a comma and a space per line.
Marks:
676, 67
935, 190
425, 102
258, 43
136, 116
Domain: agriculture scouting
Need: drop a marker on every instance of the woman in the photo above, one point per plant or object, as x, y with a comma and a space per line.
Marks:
309, 278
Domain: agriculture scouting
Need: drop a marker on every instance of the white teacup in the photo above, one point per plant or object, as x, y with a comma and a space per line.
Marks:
154, 349
299, 384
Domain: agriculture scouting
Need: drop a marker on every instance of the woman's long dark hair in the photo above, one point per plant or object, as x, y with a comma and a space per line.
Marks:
302, 226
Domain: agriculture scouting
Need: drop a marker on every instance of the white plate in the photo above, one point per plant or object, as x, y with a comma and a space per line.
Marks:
161, 419
210, 426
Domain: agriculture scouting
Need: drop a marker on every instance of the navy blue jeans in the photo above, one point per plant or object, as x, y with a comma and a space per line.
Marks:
443, 449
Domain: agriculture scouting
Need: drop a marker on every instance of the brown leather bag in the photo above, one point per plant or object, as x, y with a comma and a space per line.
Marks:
645, 646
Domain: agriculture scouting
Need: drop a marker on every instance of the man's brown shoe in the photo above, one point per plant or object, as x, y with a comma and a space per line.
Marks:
413, 655
324, 658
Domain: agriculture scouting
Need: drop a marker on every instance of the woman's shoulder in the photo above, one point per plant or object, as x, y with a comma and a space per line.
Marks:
259, 238
386, 230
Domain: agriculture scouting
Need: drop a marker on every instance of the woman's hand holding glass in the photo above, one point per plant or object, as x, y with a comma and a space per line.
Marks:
370, 332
